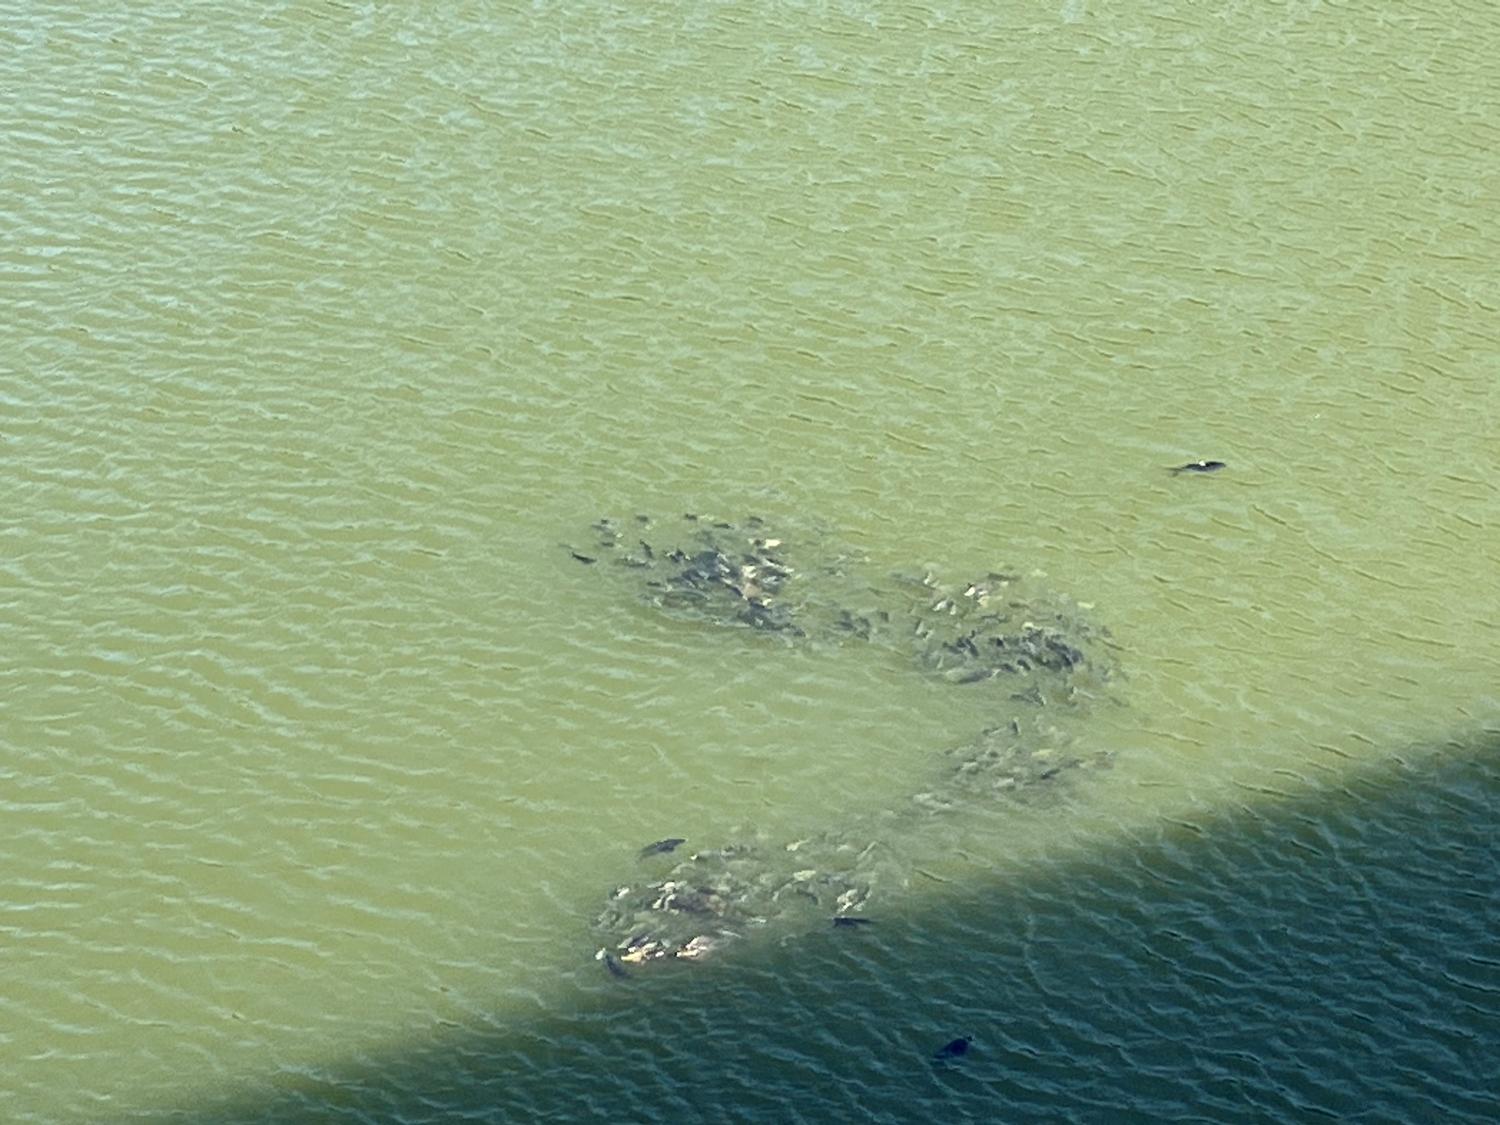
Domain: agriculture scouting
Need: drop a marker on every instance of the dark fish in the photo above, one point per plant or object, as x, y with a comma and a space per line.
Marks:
662, 847
612, 963
954, 1047
581, 557
850, 921
1198, 467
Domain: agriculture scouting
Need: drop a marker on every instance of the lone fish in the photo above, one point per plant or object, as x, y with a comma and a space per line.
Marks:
1197, 467
662, 847
612, 963
954, 1048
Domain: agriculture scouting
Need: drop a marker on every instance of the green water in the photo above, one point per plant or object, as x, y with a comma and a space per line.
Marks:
322, 326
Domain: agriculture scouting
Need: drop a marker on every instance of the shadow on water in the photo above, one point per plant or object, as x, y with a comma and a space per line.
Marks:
1331, 957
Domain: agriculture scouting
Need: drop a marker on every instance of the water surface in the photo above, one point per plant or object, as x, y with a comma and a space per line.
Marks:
325, 325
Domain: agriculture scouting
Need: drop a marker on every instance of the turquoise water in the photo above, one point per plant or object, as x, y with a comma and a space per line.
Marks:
325, 328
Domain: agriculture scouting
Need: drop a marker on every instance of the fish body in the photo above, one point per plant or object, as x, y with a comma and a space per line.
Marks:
1197, 467
612, 963
954, 1048
662, 847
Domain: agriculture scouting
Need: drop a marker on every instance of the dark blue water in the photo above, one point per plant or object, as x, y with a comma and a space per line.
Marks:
1334, 958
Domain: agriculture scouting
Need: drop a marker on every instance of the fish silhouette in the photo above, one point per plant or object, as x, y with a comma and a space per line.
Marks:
662, 847
954, 1047
1197, 467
